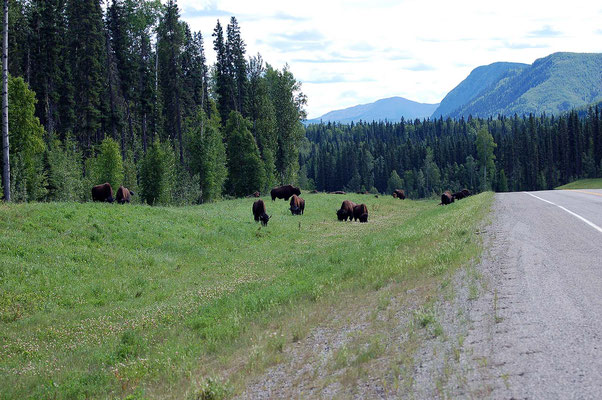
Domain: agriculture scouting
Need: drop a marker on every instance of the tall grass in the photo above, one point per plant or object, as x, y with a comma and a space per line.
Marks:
100, 300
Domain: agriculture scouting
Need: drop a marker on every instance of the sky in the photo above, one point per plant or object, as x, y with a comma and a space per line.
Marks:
358, 51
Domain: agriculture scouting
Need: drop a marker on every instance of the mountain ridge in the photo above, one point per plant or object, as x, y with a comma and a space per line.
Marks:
390, 109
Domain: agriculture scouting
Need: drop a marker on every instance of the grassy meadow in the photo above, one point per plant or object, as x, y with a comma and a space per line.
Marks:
583, 184
110, 301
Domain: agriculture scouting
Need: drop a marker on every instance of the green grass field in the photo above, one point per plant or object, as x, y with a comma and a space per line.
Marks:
109, 301
583, 184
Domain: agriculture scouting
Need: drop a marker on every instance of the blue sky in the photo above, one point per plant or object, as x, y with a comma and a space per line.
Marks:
354, 52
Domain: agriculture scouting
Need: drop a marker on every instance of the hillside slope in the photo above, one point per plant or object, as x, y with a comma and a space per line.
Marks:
390, 109
479, 80
552, 85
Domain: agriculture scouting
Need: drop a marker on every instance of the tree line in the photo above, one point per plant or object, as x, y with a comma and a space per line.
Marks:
429, 156
124, 94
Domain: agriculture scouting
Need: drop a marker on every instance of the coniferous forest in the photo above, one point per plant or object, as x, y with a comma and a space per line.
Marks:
123, 94
427, 157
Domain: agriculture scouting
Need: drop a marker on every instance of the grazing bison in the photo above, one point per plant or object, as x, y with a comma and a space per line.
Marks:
256, 194
297, 205
360, 212
285, 192
399, 194
103, 193
124, 195
458, 195
446, 198
337, 192
466, 192
259, 212
346, 211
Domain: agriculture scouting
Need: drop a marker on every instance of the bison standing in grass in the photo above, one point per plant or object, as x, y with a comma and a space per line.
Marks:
466, 192
360, 212
124, 195
259, 213
399, 194
103, 193
346, 211
446, 198
297, 205
285, 192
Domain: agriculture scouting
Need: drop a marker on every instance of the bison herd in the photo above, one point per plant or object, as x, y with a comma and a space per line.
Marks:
448, 197
349, 211
104, 194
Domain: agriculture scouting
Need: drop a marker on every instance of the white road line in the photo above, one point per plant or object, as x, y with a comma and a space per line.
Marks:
596, 227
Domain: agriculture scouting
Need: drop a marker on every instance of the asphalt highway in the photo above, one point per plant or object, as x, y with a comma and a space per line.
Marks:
538, 330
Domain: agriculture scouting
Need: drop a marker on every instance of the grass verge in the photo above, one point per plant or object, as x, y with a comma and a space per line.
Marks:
100, 300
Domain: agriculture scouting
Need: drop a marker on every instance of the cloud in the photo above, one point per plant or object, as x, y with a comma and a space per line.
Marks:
288, 46
303, 36
361, 47
520, 46
336, 79
420, 67
546, 31
287, 17
210, 10
599, 32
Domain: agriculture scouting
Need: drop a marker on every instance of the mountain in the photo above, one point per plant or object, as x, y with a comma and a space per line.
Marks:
480, 79
553, 84
391, 109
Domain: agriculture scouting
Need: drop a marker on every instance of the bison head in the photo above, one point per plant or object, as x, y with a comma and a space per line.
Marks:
110, 199
297, 191
264, 218
364, 217
341, 214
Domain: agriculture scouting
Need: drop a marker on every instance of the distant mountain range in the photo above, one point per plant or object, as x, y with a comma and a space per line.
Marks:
391, 109
553, 84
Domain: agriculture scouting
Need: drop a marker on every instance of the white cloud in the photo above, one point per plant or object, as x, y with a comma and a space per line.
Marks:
352, 52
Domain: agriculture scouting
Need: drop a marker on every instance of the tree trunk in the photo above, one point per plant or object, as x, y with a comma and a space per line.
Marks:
5, 148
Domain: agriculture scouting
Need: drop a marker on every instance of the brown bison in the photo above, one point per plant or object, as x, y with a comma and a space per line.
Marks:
259, 212
103, 193
285, 192
458, 195
360, 212
256, 194
297, 205
337, 192
399, 194
466, 192
346, 211
446, 198
124, 195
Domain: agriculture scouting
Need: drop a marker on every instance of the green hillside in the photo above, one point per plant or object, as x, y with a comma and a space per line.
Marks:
583, 184
480, 80
105, 301
553, 85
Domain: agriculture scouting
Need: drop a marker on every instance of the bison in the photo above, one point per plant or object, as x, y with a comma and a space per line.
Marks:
360, 212
259, 212
346, 211
337, 192
297, 205
458, 195
124, 195
446, 198
399, 194
466, 192
285, 192
103, 193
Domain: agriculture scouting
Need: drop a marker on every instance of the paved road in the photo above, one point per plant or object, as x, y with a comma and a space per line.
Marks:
537, 330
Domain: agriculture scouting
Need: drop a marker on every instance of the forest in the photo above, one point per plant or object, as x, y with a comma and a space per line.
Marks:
429, 156
122, 93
